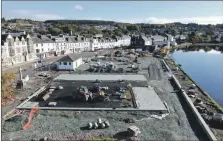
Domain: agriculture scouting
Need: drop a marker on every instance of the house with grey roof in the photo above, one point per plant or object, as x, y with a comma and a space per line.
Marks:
43, 46
69, 62
160, 41
140, 41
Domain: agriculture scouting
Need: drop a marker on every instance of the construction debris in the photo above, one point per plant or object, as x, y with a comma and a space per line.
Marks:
31, 115
52, 104
134, 130
12, 114
98, 125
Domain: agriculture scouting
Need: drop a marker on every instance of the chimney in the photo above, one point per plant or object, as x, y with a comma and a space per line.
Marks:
39, 36
49, 36
71, 33
61, 35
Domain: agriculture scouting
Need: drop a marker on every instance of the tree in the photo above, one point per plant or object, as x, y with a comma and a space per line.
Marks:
94, 31
173, 32
54, 31
3, 20
195, 39
7, 89
133, 27
117, 33
208, 38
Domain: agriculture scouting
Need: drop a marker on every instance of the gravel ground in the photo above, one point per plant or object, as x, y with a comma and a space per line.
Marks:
69, 125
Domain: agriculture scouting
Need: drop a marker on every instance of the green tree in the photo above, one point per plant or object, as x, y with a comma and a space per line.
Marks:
94, 31
54, 31
208, 38
117, 32
195, 39
173, 32
133, 27
3, 20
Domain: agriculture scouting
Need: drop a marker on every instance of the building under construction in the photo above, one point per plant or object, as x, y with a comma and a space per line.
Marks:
95, 92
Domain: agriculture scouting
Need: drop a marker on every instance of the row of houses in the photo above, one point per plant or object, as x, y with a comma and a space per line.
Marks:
157, 41
20, 47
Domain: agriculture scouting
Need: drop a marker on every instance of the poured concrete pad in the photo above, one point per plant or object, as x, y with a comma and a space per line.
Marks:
147, 99
89, 77
29, 104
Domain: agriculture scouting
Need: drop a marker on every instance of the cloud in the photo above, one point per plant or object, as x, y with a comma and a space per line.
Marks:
34, 15
42, 16
78, 8
199, 20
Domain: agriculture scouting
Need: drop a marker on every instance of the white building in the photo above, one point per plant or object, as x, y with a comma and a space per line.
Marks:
14, 48
44, 46
126, 40
69, 62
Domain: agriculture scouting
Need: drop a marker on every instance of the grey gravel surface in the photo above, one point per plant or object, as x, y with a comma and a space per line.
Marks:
69, 125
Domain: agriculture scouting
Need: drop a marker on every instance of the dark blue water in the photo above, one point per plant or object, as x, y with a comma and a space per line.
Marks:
205, 68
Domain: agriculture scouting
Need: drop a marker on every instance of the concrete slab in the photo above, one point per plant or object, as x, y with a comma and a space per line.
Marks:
89, 77
147, 99
29, 104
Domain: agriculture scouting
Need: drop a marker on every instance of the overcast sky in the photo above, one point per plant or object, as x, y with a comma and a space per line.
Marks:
202, 12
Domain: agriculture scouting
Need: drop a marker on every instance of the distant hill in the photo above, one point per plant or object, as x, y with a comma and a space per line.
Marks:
78, 22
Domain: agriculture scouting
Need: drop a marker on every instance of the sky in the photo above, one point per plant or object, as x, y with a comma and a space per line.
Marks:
159, 12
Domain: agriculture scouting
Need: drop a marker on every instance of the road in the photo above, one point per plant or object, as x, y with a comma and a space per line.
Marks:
28, 68
28, 64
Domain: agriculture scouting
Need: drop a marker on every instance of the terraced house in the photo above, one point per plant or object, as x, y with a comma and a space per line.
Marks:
20, 47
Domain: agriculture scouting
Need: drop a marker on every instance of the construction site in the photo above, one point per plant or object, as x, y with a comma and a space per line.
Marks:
111, 95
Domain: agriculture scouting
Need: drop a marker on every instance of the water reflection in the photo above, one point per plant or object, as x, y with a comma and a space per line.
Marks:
198, 48
205, 66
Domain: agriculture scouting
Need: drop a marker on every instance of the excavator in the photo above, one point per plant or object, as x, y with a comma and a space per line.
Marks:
163, 51
160, 53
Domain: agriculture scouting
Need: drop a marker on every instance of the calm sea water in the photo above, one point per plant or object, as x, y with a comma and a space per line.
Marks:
205, 68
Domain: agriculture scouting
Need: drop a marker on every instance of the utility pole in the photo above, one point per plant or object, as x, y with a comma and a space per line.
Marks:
20, 73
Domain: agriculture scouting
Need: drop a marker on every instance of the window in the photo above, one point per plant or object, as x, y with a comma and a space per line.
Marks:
41, 44
42, 49
60, 63
69, 63
65, 63
37, 50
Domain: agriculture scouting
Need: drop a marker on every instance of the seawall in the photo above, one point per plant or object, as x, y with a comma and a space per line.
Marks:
200, 120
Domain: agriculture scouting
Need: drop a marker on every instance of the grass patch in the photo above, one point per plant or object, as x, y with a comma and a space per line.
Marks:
218, 107
187, 82
102, 139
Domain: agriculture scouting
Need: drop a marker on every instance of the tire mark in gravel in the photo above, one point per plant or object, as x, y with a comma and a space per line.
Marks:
154, 72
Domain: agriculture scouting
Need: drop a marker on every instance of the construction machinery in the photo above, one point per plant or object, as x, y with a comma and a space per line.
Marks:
95, 93
83, 94
163, 51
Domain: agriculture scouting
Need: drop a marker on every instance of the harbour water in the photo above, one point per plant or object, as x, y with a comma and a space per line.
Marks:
205, 68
